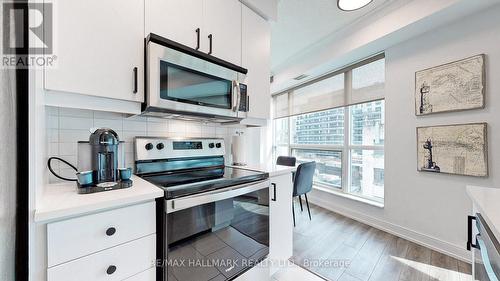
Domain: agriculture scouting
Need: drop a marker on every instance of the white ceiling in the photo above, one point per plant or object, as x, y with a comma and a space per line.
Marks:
301, 23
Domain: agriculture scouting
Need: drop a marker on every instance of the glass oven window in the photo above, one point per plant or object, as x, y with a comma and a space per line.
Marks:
219, 240
186, 85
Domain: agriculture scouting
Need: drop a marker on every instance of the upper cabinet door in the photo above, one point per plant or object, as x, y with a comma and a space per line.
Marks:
256, 57
222, 20
176, 20
99, 48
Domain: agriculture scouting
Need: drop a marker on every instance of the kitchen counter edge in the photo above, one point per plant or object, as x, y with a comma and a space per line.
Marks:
61, 201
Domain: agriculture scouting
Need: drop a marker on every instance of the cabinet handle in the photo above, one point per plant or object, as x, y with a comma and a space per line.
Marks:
210, 44
111, 269
469, 233
110, 231
197, 38
274, 192
135, 80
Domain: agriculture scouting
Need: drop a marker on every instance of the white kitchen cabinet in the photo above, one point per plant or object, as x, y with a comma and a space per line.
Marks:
117, 263
222, 20
256, 57
100, 49
97, 232
281, 221
176, 20
114, 244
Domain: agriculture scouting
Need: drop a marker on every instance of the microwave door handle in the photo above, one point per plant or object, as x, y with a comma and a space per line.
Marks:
237, 94
239, 97
486, 260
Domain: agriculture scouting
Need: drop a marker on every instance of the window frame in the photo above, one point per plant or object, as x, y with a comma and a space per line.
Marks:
347, 147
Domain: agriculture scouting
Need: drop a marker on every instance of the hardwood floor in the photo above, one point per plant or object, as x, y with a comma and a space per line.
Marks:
341, 249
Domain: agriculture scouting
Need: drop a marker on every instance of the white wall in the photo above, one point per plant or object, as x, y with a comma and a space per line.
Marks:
426, 207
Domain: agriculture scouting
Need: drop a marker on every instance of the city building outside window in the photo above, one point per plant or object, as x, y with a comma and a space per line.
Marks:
337, 121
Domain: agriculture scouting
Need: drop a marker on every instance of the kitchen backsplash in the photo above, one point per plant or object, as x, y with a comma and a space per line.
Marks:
66, 126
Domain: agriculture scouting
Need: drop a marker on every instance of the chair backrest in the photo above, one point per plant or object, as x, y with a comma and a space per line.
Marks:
304, 178
286, 161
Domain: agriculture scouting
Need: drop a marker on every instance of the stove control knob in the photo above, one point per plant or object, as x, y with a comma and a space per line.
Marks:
149, 146
218, 145
160, 146
211, 145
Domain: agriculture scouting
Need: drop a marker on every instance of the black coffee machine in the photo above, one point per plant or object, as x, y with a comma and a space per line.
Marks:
104, 155
105, 173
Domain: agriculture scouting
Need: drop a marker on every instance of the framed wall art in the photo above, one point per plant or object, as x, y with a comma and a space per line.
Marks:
453, 149
454, 86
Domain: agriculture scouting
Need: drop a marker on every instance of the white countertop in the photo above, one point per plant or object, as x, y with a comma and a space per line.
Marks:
272, 169
486, 200
60, 201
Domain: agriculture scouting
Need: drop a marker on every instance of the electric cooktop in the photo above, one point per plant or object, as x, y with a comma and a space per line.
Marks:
183, 183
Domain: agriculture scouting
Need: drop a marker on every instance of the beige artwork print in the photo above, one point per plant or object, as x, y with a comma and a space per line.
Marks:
451, 87
455, 149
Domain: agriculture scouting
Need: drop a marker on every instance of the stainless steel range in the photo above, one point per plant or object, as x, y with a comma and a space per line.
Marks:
213, 223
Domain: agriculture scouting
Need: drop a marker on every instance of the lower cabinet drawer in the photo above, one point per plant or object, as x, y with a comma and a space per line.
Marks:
148, 275
77, 237
117, 263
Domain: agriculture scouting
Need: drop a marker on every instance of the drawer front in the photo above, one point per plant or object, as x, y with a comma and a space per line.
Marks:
127, 259
148, 275
78, 237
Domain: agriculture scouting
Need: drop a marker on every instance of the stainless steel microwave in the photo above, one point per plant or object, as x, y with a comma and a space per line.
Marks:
182, 82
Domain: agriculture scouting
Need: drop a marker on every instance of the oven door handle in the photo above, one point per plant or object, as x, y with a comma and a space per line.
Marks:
469, 232
213, 196
486, 259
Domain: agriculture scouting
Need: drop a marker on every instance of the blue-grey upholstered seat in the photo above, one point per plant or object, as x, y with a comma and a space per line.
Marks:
302, 184
286, 161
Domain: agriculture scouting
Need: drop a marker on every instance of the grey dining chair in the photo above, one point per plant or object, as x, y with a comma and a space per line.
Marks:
302, 184
286, 161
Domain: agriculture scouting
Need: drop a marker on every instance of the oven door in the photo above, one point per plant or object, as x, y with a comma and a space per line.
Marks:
186, 84
216, 235
486, 253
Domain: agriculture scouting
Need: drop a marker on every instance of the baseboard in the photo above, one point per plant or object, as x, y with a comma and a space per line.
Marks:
425, 240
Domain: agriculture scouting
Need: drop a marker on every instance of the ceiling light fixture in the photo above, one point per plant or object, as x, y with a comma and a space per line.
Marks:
352, 5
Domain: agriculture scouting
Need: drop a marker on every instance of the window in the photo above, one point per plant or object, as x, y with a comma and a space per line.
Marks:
323, 127
328, 167
337, 121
